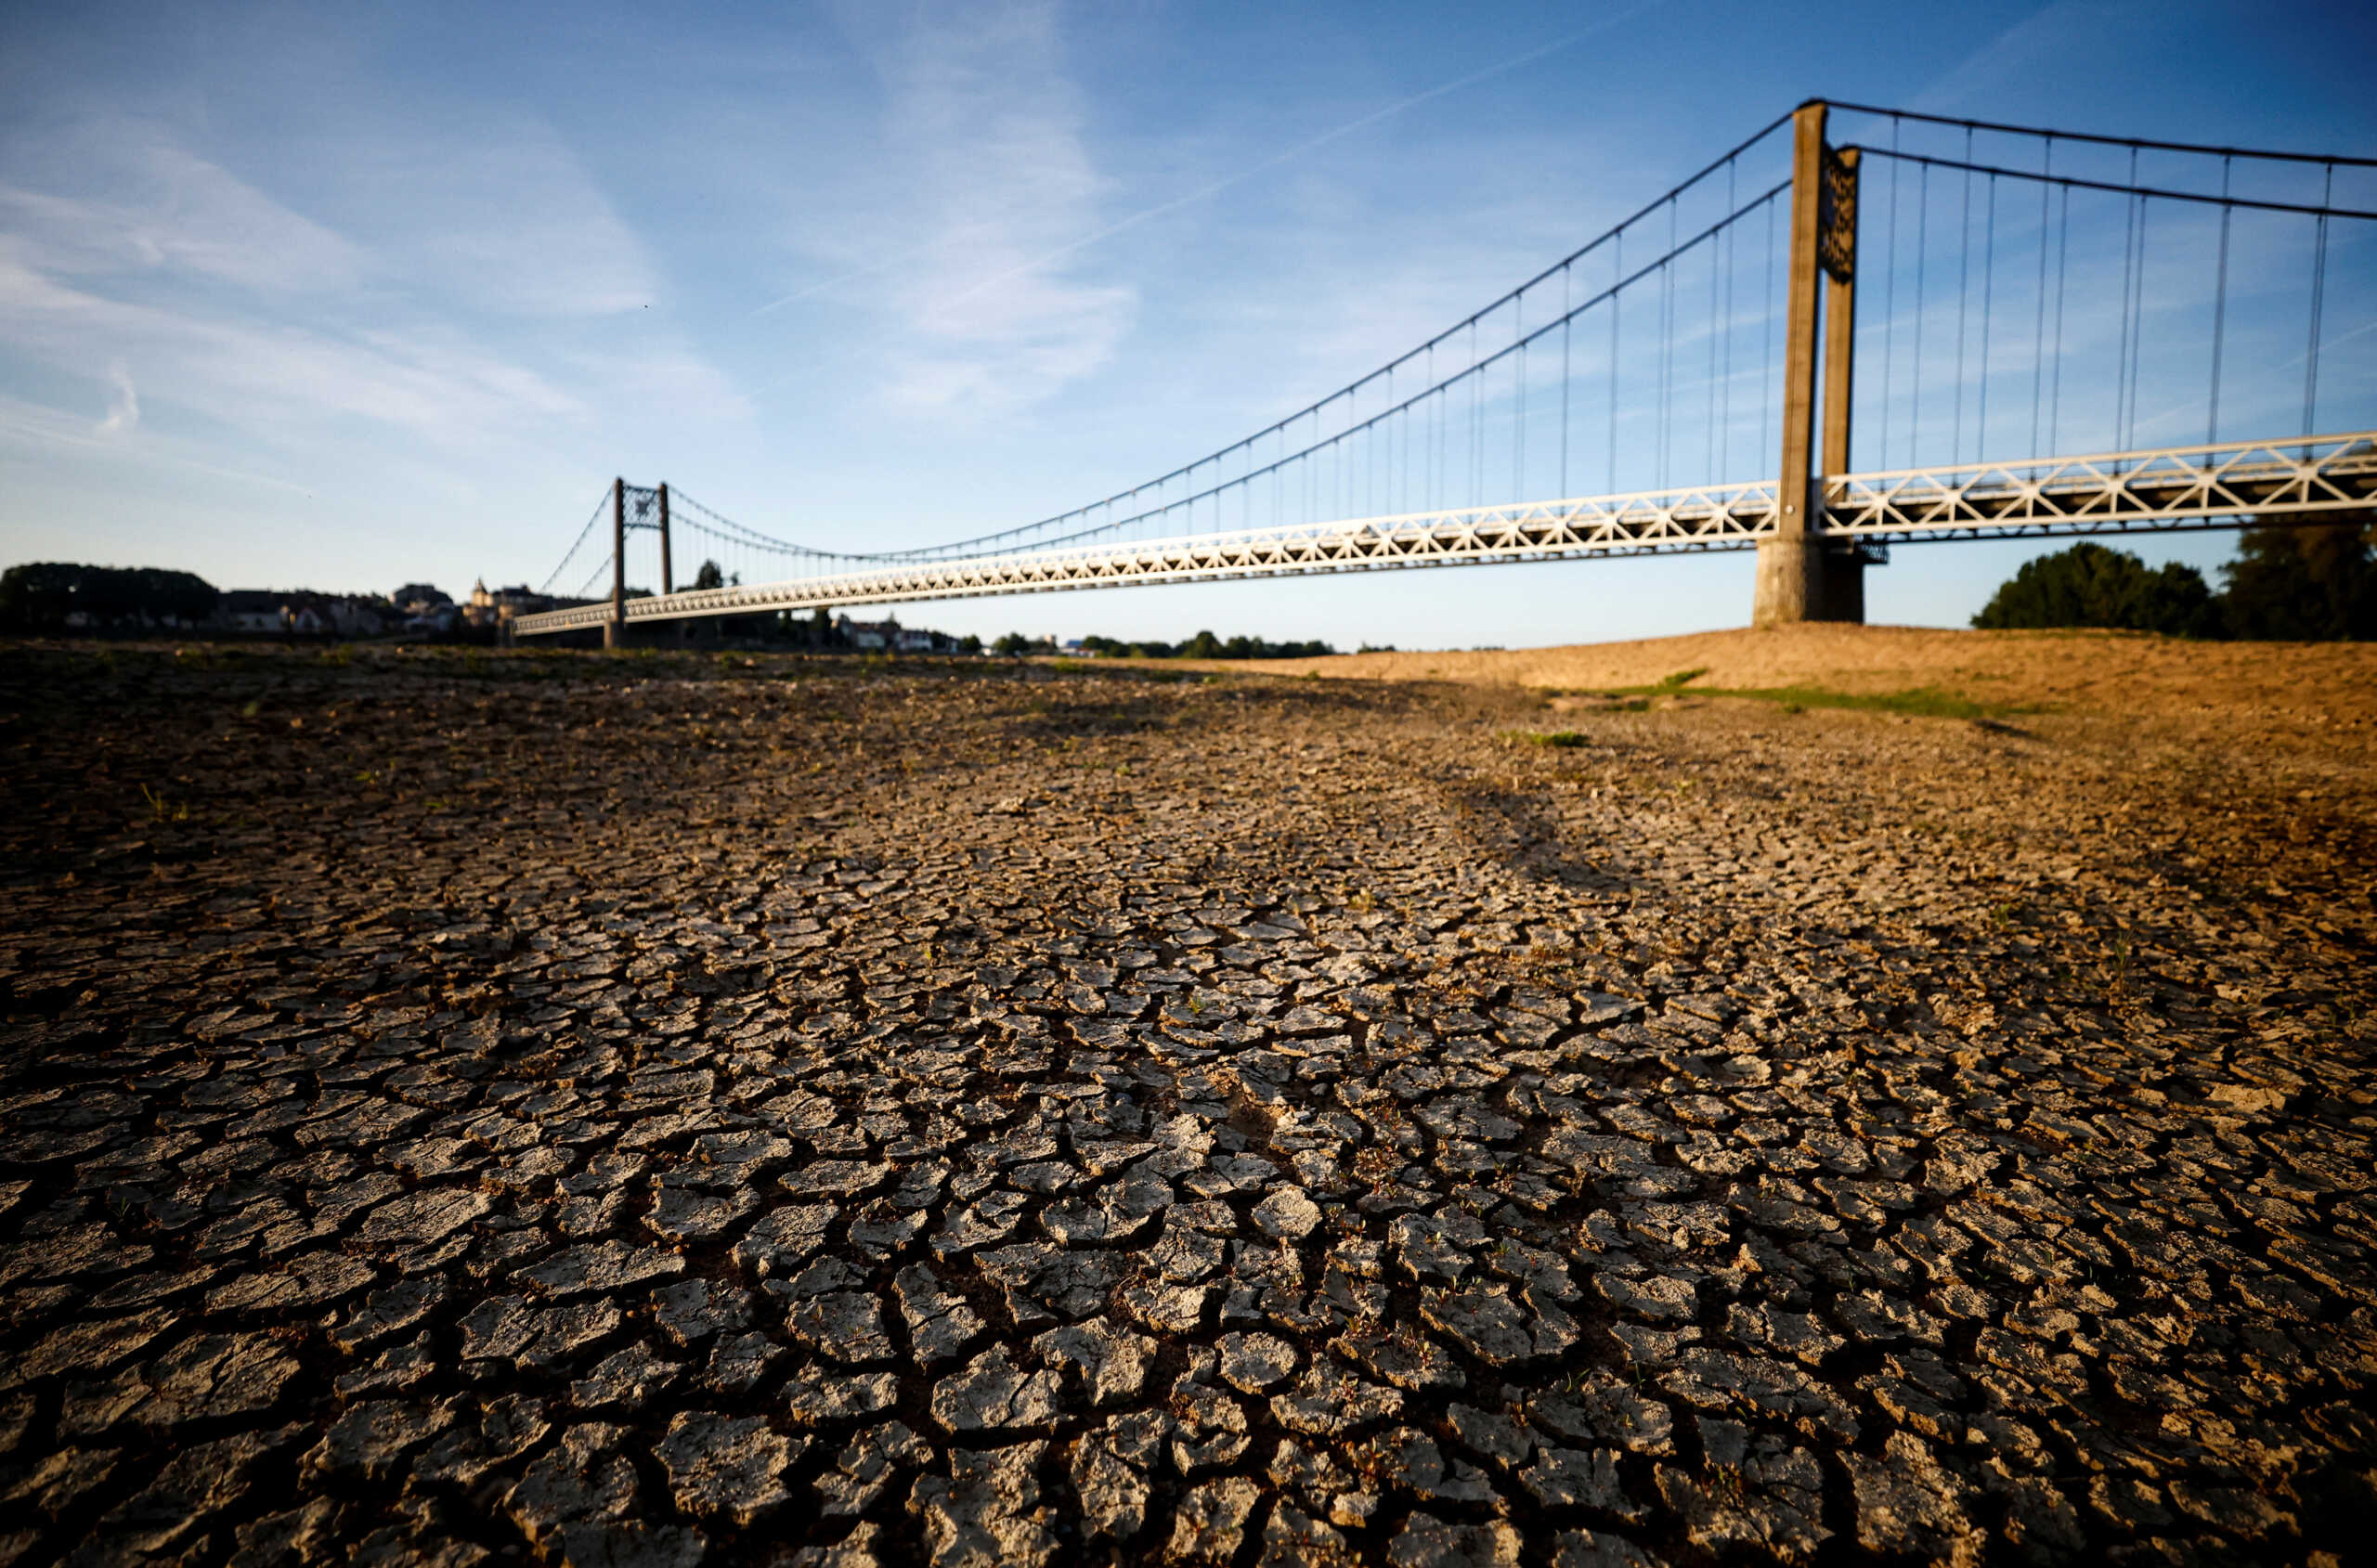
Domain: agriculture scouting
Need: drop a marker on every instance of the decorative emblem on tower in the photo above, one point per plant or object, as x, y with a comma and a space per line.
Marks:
1837, 221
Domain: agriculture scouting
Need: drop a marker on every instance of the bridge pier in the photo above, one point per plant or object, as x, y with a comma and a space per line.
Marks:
1801, 580
1786, 586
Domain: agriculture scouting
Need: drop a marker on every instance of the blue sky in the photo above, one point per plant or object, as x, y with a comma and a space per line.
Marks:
353, 296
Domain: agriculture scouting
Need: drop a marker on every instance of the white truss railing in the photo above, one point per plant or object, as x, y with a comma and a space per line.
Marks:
1699, 517
2172, 487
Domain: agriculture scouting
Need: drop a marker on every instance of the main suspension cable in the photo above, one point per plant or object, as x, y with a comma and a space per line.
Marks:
554, 575
1610, 236
2256, 203
2133, 143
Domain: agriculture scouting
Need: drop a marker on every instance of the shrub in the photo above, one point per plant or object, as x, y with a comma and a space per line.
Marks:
2089, 585
2313, 582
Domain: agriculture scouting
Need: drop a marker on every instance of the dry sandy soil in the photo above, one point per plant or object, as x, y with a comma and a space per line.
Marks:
2315, 693
662, 1109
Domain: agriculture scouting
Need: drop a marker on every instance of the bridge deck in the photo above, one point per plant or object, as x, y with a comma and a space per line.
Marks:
2211, 485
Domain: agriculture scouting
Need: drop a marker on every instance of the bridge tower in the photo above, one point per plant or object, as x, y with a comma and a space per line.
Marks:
615, 629
1798, 579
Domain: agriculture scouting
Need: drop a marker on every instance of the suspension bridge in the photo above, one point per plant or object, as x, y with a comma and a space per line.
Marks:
2049, 319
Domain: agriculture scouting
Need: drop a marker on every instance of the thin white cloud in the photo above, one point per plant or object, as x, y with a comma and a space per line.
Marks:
2035, 46
1313, 144
65, 436
260, 372
504, 220
983, 140
634, 380
499, 218
1214, 187
150, 208
124, 402
38, 425
457, 322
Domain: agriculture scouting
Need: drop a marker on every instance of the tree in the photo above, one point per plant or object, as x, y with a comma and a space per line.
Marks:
39, 596
2089, 585
2311, 582
1205, 645
1013, 645
969, 643
709, 576
175, 596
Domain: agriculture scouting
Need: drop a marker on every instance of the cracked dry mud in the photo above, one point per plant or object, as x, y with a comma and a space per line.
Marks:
674, 1109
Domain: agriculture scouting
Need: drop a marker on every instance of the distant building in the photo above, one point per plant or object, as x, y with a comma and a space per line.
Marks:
250, 609
352, 614
889, 636
301, 613
499, 607
871, 637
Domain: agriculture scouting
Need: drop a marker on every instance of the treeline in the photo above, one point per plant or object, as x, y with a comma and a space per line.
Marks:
2309, 583
40, 597
1205, 645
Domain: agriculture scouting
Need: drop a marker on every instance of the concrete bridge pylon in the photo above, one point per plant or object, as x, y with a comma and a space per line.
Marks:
1801, 575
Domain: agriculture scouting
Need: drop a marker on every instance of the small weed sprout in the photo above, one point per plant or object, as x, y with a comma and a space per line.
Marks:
163, 810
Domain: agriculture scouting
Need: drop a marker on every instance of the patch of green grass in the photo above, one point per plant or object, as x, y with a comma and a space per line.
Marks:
1666, 686
1925, 702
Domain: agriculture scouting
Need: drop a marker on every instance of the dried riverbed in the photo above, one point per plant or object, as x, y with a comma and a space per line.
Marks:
686, 1107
